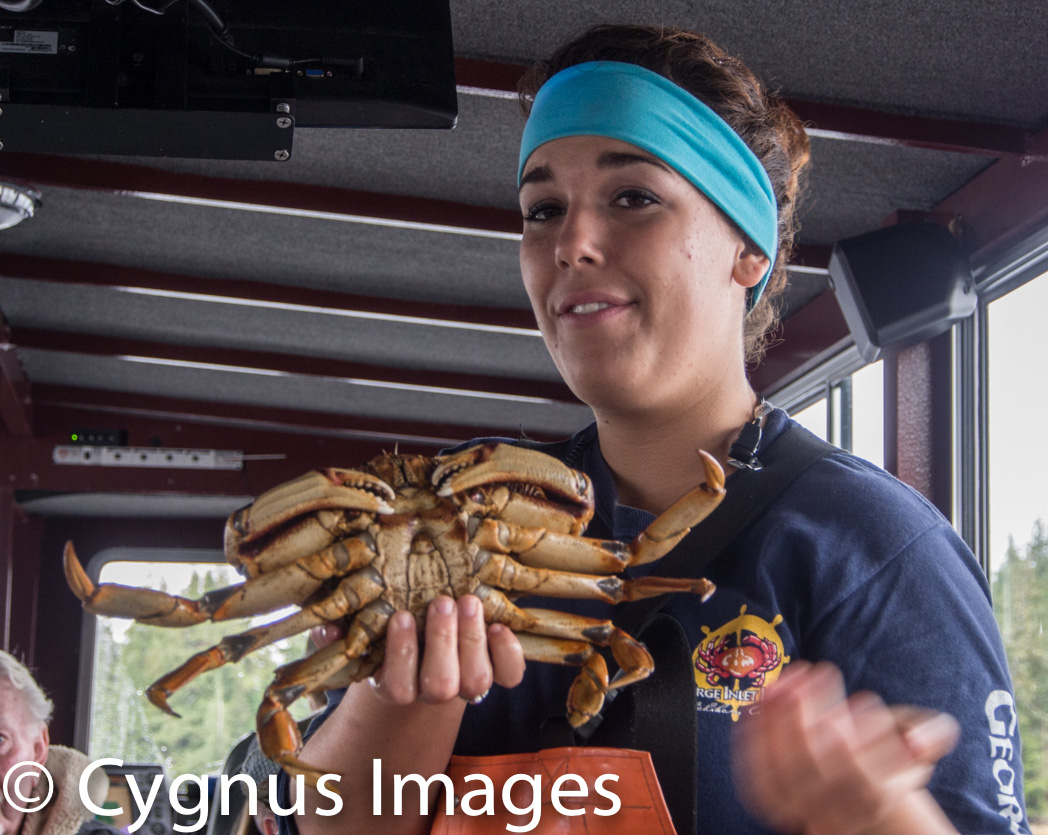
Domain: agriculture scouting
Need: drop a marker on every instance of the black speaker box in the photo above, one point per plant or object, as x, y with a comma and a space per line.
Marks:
901, 285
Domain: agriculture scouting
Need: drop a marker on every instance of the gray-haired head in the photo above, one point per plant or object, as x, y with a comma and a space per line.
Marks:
38, 706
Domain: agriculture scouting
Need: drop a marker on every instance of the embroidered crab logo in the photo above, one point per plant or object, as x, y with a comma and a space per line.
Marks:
723, 660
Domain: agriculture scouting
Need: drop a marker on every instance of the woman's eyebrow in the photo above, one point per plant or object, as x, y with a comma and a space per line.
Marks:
538, 174
619, 159
608, 159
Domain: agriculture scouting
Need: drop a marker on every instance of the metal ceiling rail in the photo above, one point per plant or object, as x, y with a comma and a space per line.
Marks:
249, 361
833, 121
58, 271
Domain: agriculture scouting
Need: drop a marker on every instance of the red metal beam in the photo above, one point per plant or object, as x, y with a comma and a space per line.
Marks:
140, 180
314, 441
13, 265
8, 509
859, 124
1002, 205
93, 344
16, 404
835, 121
917, 407
332, 428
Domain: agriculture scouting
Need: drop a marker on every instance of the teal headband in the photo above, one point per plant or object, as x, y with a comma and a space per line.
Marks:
628, 102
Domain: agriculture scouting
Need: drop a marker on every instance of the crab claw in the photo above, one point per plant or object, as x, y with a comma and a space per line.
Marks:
297, 517
500, 463
328, 488
671, 526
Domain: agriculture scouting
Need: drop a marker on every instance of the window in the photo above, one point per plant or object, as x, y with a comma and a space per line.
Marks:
1018, 514
851, 414
217, 708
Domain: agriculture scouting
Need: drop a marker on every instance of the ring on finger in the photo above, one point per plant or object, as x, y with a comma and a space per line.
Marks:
475, 700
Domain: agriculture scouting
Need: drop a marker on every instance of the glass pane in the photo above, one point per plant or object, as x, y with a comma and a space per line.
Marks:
217, 708
813, 418
868, 413
1018, 402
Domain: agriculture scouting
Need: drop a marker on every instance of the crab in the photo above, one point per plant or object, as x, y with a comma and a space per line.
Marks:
723, 661
353, 546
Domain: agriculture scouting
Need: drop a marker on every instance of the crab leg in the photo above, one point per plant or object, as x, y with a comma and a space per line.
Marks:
267, 593
278, 734
505, 572
560, 638
353, 593
293, 541
539, 548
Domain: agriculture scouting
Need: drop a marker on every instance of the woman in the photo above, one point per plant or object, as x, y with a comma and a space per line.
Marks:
658, 188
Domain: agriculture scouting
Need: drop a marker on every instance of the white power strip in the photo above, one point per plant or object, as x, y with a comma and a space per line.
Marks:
138, 456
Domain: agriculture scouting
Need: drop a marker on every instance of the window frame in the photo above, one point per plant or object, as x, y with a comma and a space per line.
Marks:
88, 628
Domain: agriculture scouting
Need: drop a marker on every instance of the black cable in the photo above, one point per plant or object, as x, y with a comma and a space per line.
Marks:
221, 33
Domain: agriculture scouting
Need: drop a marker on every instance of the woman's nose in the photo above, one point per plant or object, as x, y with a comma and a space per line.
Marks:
580, 240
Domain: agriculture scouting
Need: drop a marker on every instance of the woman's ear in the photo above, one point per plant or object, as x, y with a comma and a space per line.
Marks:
750, 266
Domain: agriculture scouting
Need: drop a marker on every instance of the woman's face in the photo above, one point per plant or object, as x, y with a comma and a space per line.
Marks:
637, 281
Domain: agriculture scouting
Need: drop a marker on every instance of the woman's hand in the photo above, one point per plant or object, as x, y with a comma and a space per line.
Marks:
462, 656
812, 760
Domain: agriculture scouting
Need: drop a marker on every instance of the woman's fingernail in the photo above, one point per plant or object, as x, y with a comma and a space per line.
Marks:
404, 621
468, 605
445, 605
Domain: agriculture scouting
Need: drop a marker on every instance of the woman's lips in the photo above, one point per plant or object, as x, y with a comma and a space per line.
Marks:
591, 306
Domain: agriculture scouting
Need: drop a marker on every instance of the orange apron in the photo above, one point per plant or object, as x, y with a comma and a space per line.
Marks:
642, 809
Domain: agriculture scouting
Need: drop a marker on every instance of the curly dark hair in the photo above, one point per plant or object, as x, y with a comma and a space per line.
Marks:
770, 129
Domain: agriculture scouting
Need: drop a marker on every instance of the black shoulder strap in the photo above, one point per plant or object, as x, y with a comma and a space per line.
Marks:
748, 494
660, 711
658, 714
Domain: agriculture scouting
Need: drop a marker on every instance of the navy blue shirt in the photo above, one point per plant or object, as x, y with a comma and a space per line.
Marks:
849, 565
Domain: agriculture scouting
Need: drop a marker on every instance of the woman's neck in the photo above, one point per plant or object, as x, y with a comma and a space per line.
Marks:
654, 457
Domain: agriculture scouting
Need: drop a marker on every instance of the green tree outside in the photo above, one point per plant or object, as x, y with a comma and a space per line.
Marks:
216, 709
1020, 595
